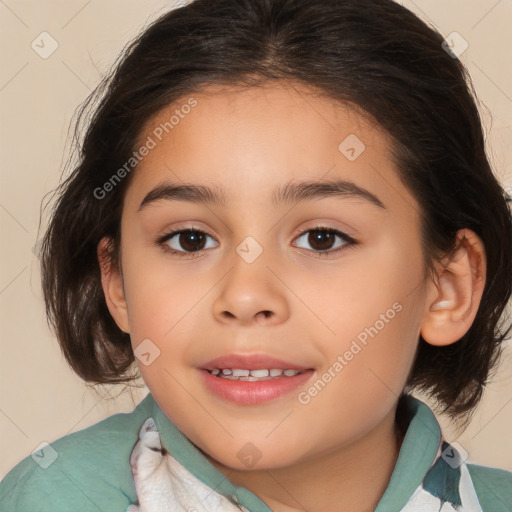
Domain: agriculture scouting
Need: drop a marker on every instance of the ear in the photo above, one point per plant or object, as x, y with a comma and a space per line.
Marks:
112, 284
455, 299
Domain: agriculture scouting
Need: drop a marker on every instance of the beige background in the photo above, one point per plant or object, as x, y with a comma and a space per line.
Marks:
40, 398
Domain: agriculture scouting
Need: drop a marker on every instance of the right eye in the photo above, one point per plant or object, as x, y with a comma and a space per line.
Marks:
185, 241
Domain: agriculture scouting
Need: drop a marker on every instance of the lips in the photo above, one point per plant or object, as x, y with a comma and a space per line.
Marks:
254, 379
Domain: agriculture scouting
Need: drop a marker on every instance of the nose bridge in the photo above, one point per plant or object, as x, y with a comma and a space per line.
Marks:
250, 292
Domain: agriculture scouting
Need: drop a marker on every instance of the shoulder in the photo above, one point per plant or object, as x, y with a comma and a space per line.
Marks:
493, 487
85, 470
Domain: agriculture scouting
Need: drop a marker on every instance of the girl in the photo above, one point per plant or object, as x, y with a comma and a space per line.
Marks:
284, 214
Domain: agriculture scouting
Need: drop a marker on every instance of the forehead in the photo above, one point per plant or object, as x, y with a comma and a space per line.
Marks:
249, 140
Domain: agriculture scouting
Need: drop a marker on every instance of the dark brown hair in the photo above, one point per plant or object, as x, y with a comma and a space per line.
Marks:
374, 54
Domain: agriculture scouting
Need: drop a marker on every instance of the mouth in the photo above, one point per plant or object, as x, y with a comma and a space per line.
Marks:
253, 379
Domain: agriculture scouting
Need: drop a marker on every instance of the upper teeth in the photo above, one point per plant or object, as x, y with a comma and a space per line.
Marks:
237, 372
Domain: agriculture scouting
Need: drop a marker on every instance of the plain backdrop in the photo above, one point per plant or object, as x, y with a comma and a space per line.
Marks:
40, 398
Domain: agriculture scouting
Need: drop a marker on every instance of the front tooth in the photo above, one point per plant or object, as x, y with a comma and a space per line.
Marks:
259, 373
291, 373
275, 372
240, 373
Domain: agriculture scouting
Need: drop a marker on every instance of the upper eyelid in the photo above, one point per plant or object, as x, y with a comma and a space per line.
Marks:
301, 231
319, 227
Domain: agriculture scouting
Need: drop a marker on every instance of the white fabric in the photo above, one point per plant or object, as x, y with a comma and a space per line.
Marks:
164, 485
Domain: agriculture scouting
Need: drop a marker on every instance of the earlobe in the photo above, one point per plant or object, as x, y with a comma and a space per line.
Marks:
112, 284
455, 299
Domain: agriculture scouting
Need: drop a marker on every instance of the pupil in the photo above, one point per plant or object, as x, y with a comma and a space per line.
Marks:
194, 237
322, 239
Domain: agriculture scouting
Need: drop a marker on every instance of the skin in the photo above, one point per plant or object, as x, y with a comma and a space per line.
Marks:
338, 451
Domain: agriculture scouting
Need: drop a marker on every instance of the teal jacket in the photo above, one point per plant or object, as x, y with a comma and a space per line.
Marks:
89, 470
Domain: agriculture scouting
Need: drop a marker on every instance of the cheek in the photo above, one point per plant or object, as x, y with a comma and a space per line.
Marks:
160, 294
372, 358
376, 318
372, 303
360, 383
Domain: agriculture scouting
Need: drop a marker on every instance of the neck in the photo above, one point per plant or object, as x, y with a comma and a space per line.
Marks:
352, 477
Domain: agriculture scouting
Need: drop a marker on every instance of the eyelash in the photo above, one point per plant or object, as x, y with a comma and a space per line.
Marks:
161, 242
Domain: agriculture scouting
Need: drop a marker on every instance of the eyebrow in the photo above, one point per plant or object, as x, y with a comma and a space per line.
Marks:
287, 193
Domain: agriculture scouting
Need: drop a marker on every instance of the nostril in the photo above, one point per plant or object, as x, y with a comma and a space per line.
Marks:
266, 314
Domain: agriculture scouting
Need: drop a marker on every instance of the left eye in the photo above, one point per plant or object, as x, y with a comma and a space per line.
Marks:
324, 239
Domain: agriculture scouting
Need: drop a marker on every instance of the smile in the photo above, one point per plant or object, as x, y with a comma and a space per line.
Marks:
253, 375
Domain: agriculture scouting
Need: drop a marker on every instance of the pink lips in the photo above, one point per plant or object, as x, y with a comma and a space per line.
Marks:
252, 392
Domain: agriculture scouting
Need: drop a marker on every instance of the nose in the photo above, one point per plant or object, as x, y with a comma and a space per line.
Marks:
250, 294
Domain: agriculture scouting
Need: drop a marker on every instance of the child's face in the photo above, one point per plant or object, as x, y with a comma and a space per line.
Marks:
353, 316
